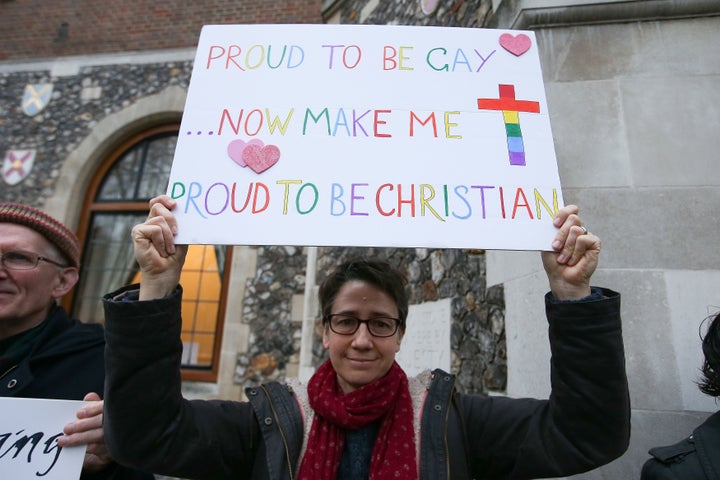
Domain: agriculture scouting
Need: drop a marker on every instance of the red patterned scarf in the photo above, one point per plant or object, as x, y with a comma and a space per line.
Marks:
387, 398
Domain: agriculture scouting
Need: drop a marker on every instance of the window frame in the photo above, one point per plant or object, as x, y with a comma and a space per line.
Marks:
90, 207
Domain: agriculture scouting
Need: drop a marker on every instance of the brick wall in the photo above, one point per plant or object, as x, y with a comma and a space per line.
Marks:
31, 29
446, 13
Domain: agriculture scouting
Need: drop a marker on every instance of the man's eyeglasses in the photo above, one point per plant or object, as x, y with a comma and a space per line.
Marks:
378, 327
17, 260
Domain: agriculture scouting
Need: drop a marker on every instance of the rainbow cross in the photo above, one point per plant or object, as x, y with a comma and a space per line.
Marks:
511, 108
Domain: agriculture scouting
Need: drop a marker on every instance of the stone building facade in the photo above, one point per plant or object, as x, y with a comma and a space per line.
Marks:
631, 87
478, 334
82, 98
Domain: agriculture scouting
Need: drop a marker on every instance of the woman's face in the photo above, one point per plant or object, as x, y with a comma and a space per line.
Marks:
361, 358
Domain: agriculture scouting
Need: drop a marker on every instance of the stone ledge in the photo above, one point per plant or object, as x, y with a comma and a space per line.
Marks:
531, 14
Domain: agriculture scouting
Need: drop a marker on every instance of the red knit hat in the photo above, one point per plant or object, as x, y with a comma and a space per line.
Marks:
57, 233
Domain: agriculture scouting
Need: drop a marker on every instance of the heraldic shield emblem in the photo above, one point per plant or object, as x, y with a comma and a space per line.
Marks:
17, 165
36, 98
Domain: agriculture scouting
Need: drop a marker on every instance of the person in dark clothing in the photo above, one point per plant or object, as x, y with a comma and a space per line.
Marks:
43, 352
360, 417
696, 457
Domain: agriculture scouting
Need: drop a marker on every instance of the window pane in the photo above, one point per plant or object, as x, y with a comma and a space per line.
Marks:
119, 183
202, 289
156, 171
140, 173
108, 261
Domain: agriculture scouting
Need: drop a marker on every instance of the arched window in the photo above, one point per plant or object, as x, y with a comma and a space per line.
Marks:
117, 200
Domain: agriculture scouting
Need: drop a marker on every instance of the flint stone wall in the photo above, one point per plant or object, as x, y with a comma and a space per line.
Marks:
479, 356
77, 104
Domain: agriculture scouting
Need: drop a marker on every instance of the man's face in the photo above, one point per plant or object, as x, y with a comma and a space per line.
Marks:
26, 295
361, 358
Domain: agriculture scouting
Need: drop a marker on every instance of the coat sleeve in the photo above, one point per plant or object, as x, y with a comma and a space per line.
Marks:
147, 423
586, 421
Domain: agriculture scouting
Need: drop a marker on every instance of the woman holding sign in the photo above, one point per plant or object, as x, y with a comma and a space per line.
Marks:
360, 416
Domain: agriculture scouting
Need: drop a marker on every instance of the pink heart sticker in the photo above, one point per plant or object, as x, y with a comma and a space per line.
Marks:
236, 147
261, 158
517, 45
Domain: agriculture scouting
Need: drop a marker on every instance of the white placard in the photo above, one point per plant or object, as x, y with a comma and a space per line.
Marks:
426, 344
29, 429
368, 136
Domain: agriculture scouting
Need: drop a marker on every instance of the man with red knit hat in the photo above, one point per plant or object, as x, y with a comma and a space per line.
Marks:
43, 352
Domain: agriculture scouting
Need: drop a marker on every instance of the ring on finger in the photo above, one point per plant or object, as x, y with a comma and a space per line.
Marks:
584, 230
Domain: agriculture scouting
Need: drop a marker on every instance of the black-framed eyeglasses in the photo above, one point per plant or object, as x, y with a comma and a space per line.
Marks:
19, 260
343, 324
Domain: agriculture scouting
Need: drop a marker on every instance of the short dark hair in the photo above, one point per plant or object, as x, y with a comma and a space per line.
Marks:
375, 272
710, 383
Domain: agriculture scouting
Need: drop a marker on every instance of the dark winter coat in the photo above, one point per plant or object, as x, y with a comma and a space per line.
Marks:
585, 424
696, 457
66, 362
